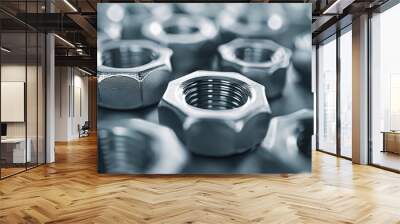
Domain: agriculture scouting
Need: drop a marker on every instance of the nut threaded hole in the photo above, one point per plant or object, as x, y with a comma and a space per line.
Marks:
251, 54
216, 94
128, 56
181, 29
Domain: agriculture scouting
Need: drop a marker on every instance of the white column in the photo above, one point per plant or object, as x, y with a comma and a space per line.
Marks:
360, 90
50, 92
50, 99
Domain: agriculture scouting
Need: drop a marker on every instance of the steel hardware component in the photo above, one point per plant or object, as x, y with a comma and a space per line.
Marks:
302, 58
287, 146
102, 38
110, 22
300, 14
210, 11
132, 73
190, 37
216, 113
137, 14
261, 60
138, 146
256, 20
289, 136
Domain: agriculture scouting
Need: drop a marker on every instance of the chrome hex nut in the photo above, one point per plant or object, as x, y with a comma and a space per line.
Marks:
139, 146
132, 73
137, 14
255, 20
210, 11
192, 38
302, 58
216, 113
262, 60
110, 21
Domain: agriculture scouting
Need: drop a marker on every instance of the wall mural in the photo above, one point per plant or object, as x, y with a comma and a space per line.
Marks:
204, 88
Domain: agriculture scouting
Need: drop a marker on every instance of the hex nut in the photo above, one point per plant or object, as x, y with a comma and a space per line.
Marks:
192, 38
110, 22
255, 20
210, 11
132, 74
297, 126
139, 146
137, 15
261, 60
302, 59
216, 113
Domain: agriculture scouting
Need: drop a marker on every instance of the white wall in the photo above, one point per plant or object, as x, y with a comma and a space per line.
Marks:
14, 72
70, 84
61, 103
33, 126
17, 73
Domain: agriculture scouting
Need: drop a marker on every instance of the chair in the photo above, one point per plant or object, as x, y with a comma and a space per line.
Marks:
84, 130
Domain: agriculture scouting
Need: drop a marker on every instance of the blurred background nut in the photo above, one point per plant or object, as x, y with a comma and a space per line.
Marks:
138, 146
111, 21
132, 74
102, 38
192, 38
302, 58
137, 14
261, 60
253, 20
288, 137
216, 113
210, 11
300, 14
287, 145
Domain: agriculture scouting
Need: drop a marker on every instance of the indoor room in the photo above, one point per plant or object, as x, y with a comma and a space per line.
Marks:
263, 111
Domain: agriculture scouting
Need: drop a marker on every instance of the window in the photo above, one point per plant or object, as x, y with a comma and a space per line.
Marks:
346, 75
327, 96
385, 89
22, 78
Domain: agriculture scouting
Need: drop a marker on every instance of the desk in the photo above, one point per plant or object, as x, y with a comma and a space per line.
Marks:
391, 141
18, 149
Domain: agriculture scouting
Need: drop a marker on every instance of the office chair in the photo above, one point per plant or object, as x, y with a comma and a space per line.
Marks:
84, 130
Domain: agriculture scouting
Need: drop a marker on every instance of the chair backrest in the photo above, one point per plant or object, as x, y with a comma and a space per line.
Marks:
86, 125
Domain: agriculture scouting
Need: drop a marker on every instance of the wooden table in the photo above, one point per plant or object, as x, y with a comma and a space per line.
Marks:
391, 141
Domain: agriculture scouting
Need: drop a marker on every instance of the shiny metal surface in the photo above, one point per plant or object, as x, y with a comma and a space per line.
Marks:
287, 144
216, 113
295, 97
302, 58
110, 23
257, 20
216, 145
132, 146
261, 60
132, 74
192, 38
138, 14
210, 11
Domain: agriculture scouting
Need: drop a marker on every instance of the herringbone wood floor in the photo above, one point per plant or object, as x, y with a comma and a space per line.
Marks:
71, 191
